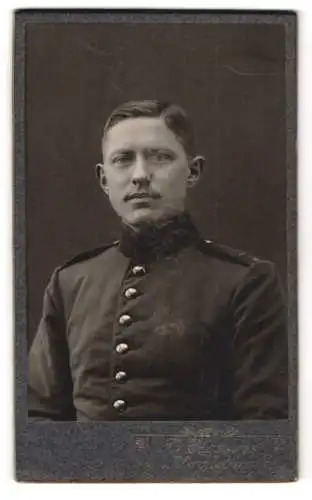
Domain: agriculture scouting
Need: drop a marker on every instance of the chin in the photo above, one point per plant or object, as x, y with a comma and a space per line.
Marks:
143, 216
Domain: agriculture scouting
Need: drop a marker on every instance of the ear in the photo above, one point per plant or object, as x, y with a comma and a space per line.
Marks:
196, 165
100, 174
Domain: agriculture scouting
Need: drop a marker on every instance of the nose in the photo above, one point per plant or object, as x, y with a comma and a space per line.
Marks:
141, 175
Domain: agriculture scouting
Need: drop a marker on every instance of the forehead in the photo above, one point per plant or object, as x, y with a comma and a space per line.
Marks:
140, 133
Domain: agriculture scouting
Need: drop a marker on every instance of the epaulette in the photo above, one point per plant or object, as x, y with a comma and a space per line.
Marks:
88, 254
226, 253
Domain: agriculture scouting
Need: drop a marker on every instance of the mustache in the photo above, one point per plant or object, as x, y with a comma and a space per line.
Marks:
142, 194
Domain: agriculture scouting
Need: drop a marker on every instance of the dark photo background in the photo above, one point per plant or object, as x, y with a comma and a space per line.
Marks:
229, 77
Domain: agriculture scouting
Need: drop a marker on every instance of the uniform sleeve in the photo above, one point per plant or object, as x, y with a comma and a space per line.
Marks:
260, 359
49, 378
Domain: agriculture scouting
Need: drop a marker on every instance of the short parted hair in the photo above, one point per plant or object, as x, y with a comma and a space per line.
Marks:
173, 115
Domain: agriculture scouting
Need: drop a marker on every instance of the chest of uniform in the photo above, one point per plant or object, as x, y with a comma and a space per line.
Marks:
168, 313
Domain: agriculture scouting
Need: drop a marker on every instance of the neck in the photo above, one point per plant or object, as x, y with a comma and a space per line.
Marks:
152, 241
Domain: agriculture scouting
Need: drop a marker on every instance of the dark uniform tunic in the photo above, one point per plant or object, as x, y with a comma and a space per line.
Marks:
161, 325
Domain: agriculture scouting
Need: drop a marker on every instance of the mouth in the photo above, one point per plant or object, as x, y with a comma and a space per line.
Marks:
141, 196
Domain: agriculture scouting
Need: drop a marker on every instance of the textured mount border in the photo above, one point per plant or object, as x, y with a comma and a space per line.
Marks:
147, 451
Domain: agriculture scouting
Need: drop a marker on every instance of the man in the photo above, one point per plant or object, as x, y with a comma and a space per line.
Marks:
160, 324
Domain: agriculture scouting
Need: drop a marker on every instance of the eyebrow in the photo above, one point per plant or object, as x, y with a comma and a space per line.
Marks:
130, 152
121, 151
160, 148
148, 149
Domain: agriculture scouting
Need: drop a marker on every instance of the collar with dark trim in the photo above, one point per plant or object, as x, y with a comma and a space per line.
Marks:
158, 240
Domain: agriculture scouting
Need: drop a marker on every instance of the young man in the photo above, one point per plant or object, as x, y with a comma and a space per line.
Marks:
160, 324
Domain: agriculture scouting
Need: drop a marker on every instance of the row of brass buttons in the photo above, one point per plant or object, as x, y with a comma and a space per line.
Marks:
122, 347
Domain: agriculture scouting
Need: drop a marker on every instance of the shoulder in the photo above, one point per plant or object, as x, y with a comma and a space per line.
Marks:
241, 269
87, 255
239, 263
227, 254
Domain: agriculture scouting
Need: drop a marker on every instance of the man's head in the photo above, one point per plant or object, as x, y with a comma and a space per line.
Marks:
149, 161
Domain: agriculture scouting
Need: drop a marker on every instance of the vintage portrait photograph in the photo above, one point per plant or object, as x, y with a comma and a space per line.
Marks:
156, 234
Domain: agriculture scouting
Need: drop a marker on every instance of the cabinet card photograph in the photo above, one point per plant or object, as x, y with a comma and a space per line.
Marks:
155, 246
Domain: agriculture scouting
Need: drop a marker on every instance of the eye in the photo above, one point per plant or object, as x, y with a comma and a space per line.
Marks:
162, 156
122, 159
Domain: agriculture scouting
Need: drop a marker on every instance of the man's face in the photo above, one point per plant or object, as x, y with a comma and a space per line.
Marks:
146, 171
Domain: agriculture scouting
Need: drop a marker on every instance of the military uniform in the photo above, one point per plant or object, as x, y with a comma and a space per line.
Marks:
161, 325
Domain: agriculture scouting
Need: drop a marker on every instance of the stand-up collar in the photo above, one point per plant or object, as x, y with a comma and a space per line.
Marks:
156, 241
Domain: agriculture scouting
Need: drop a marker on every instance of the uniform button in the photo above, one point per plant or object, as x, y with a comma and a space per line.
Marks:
120, 376
121, 348
130, 293
125, 319
119, 404
138, 270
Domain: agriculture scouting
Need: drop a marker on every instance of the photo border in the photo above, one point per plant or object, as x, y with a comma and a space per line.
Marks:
144, 451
